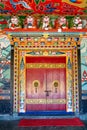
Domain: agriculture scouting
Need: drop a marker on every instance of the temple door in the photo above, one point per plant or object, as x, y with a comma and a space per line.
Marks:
45, 86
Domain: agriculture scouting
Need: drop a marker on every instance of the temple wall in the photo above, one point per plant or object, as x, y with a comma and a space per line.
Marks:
5, 70
84, 73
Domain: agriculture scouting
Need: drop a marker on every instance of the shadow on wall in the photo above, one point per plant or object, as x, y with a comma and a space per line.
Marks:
5, 106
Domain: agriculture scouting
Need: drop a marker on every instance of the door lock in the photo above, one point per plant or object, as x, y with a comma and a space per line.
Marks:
47, 92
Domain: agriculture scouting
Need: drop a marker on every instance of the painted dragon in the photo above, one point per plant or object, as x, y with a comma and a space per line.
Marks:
23, 3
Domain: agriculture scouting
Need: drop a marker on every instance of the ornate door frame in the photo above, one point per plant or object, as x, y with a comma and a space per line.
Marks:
19, 76
47, 45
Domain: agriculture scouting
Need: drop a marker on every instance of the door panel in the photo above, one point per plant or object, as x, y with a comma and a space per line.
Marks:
56, 87
53, 76
35, 96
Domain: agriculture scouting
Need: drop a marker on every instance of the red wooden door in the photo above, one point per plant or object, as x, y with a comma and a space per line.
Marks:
45, 87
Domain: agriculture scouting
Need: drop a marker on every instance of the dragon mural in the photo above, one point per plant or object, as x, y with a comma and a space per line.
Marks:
44, 6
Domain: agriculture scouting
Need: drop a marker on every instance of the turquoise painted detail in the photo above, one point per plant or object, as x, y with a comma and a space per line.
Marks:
22, 64
23, 3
